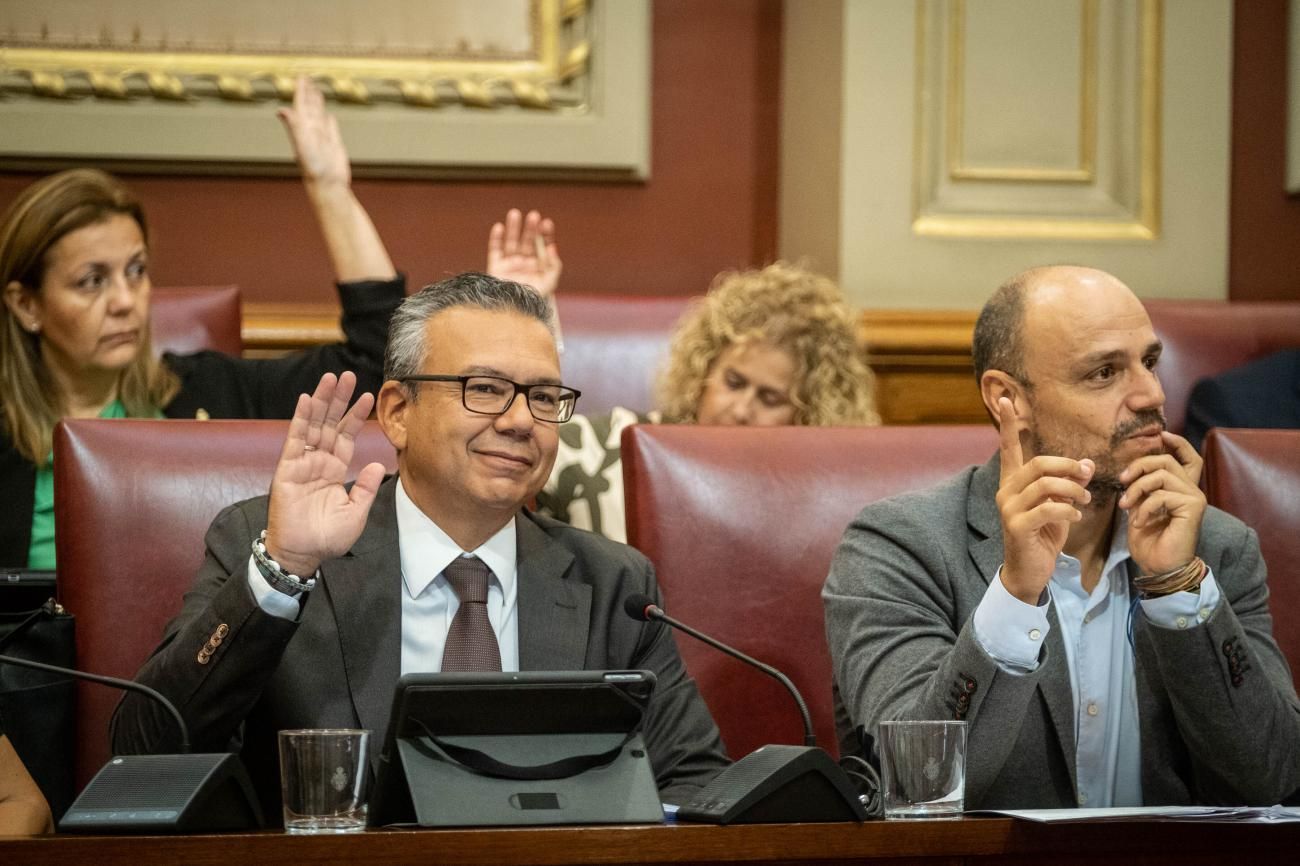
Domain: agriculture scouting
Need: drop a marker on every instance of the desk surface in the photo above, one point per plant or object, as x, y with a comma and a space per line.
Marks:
969, 840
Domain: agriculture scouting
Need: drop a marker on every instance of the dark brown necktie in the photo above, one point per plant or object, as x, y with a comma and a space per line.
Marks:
471, 643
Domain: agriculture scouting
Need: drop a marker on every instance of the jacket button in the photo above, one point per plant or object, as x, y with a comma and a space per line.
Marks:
204, 656
222, 630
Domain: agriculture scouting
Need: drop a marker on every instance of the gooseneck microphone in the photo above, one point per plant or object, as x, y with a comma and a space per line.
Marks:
642, 607
173, 793
126, 685
774, 784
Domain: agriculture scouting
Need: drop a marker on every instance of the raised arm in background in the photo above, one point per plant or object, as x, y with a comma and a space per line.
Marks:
355, 248
523, 250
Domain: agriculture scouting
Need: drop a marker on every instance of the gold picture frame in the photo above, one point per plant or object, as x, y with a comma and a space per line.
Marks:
563, 89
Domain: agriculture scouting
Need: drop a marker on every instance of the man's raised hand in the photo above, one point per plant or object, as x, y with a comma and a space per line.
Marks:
1037, 501
1165, 506
312, 516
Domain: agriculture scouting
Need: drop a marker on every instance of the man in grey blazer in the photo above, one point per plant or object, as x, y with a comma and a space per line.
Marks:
1103, 633
260, 646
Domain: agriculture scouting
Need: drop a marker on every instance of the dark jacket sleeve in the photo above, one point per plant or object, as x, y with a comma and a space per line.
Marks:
214, 690
1228, 687
226, 387
902, 644
685, 746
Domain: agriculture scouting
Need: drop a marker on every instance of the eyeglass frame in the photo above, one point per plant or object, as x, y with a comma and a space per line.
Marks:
519, 389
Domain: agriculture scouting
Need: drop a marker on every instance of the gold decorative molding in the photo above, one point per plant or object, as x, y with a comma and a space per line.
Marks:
457, 88
557, 78
955, 94
1142, 216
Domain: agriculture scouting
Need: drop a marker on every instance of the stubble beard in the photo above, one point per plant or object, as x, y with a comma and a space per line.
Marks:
1104, 486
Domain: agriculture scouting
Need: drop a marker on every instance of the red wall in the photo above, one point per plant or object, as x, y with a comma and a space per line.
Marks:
709, 204
1264, 222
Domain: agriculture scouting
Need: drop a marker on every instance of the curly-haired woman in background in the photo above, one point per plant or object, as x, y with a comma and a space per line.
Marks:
764, 348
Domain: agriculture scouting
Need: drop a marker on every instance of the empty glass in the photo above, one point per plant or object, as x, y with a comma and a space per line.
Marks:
923, 769
323, 780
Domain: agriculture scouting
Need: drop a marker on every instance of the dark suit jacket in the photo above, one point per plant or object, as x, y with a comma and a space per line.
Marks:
1219, 717
338, 665
1263, 393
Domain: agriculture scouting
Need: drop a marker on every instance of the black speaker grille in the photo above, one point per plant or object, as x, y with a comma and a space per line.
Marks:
147, 781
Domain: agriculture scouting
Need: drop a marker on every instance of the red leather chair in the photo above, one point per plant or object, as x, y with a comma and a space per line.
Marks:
196, 317
741, 524
1255, 475
614, 346
133, 500
1205, 338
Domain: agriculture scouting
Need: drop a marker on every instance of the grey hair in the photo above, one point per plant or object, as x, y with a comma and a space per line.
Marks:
405, 352
998, 343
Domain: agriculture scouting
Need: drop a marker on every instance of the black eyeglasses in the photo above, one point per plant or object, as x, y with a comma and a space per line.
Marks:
493, 395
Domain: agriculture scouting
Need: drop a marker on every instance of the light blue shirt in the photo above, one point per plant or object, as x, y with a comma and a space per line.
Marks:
428, 602
1094, 629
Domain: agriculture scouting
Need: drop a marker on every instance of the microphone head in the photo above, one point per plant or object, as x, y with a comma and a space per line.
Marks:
638, 606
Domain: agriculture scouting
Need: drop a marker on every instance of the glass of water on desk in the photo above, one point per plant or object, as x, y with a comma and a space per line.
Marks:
323, 780
923, 768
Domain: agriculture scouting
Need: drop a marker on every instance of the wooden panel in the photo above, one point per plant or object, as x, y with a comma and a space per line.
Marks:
921, 357
966, 840
924, 219
980, 73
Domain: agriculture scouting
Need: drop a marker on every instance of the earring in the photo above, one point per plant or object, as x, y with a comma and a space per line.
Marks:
34, 327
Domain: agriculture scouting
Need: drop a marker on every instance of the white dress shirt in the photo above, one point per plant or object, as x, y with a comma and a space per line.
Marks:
428, 601
1094, 629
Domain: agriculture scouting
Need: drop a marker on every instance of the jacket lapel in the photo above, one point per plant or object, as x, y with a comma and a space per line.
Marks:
554, 612
364, 590
986, 552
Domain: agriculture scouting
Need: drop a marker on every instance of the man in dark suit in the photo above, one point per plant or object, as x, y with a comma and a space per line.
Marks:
1263, 393
310, 623
1104, 634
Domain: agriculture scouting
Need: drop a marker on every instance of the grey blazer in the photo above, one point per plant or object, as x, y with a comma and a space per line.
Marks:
338, 665
1219, 717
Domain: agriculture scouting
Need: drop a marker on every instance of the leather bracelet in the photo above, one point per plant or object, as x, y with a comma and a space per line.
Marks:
280, 580
1182, 579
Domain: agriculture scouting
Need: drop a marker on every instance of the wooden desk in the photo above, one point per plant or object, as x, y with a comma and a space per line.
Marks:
970, 840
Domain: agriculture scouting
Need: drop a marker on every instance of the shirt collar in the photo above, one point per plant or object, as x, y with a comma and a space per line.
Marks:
426, 549
1068, 572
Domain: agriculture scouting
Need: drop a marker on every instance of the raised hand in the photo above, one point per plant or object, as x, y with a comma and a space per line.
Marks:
523, 250
314, 133
1038, 501
1165, 506
312, 516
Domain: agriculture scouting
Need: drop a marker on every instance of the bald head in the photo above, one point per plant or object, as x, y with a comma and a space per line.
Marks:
1040, 302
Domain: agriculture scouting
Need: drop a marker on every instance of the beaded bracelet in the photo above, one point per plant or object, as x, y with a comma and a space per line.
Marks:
280, 580
1182, 579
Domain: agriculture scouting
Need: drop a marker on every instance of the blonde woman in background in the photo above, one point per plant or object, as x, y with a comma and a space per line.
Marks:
763, 348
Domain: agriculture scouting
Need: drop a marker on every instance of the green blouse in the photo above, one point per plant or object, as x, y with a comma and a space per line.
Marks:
40, 556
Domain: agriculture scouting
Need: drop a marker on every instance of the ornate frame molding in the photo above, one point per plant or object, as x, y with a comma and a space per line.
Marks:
588, 72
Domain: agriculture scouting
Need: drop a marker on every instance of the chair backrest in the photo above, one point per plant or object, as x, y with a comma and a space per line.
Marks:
133, 500
614, 346
192, 318
1205, 338
1255, 476
741, 524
